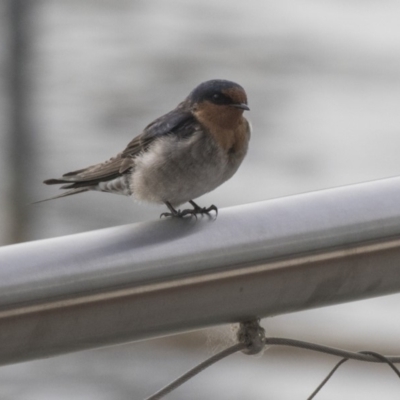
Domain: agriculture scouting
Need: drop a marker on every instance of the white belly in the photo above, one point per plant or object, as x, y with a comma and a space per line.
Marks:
178, 170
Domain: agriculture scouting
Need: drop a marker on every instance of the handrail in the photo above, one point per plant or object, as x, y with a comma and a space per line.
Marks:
161, 277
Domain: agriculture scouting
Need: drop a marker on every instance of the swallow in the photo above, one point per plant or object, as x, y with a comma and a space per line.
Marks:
178, 157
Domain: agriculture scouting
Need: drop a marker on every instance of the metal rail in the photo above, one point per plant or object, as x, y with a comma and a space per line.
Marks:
156, 278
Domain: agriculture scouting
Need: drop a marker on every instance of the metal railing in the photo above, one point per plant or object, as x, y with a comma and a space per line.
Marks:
161, 277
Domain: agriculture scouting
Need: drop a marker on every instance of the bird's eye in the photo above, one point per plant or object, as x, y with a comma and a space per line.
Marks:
219, 98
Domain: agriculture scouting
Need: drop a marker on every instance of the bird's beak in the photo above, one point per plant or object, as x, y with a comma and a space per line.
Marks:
242, 106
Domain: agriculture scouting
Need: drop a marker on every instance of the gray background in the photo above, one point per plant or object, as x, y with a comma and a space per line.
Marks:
323, 81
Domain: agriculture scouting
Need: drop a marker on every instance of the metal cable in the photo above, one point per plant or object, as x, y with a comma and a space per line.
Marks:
252, 340
194, 371
361, 356
378, 357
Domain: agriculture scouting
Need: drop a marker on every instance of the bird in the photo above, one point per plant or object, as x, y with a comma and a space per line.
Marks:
178, 157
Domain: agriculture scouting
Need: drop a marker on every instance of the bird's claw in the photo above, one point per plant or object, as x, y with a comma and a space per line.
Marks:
204, 210
191, 211
176, 214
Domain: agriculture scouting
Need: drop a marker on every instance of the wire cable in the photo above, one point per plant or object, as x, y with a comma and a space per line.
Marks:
252, 340
196, 370
361, 356
378, 357
322, 384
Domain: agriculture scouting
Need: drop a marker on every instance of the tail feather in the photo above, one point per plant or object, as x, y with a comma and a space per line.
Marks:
54, 181
65, 194
79, 185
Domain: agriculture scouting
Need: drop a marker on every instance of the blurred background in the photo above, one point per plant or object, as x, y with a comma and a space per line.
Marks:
79, 79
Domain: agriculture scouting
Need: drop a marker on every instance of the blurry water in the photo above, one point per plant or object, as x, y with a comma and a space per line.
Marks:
323, 81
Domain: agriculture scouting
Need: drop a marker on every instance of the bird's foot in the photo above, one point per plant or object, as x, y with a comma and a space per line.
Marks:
174, 214
190, 211
202, 210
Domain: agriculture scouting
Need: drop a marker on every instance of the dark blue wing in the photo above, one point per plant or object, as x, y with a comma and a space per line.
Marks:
179, 121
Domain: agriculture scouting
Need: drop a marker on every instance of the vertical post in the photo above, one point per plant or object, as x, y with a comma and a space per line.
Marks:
20, 154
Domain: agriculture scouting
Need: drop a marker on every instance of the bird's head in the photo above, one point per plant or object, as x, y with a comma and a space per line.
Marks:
218, 100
